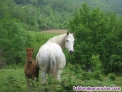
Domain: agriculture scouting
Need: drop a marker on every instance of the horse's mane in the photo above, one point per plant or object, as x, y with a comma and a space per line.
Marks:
60, 40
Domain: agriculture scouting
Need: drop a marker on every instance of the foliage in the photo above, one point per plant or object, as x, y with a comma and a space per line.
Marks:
96, 64
97, 75
87, 75
13, 40
96, 67
50, 14
112, 76
14, 80
97, 40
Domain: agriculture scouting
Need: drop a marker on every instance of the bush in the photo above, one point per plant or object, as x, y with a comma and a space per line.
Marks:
87, 75
11, 84
67, 84
13, 40
97, 75
94, 44
112, 76
75, 68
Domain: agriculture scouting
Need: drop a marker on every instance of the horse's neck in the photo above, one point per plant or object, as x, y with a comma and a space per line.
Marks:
27, 63
60, 40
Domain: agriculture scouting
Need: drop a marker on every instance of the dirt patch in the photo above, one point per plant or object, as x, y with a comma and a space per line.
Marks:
60, 31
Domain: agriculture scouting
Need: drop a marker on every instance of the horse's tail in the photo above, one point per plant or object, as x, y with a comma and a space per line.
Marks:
52, 63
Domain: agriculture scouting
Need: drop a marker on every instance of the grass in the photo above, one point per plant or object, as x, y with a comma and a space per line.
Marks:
46, 34
13, 80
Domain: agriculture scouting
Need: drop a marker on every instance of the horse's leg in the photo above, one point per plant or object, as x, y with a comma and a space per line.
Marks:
43, 76
43, 73
28, 82
59, 74
45, 69
61, 63
37, 74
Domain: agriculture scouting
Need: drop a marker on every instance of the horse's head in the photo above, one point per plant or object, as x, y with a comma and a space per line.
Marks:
29, 53
69, 42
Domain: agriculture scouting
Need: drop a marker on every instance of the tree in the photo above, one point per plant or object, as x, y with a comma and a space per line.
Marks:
97, 33
13, 40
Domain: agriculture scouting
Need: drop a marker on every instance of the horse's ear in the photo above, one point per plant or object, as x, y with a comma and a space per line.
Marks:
33, 48
26, 49
67, 33
73, 34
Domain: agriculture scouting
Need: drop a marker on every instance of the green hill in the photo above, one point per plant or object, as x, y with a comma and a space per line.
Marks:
50, 14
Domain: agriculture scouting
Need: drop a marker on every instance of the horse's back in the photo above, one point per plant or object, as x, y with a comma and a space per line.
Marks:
45, 50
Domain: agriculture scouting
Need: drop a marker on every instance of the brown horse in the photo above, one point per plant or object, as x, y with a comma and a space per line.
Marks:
31, 70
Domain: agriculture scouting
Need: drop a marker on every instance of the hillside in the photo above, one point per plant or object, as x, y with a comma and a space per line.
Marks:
105, 5
56, 13
70, 6
51, 14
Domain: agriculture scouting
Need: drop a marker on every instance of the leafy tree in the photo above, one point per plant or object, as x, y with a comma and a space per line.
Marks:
97, 33
51, 13
13, 40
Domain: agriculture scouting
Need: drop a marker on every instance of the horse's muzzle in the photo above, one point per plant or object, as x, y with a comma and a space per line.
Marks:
30, 61
71, 52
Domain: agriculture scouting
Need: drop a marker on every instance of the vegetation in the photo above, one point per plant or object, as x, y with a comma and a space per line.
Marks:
13, 80
97, 60
13, 39
98, 42
51, 14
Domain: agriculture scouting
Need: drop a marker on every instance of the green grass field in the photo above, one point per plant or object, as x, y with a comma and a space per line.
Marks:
46, 34
12, 78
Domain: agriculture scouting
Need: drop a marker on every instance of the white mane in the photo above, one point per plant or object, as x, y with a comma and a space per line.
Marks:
60, 40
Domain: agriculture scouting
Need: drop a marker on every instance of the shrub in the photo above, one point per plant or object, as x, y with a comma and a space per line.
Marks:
13, 40
112, 76
67, 84
11, 84
75, 68
87, 75
97, 75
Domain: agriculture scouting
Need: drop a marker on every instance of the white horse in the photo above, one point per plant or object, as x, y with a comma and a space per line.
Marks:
50, 58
